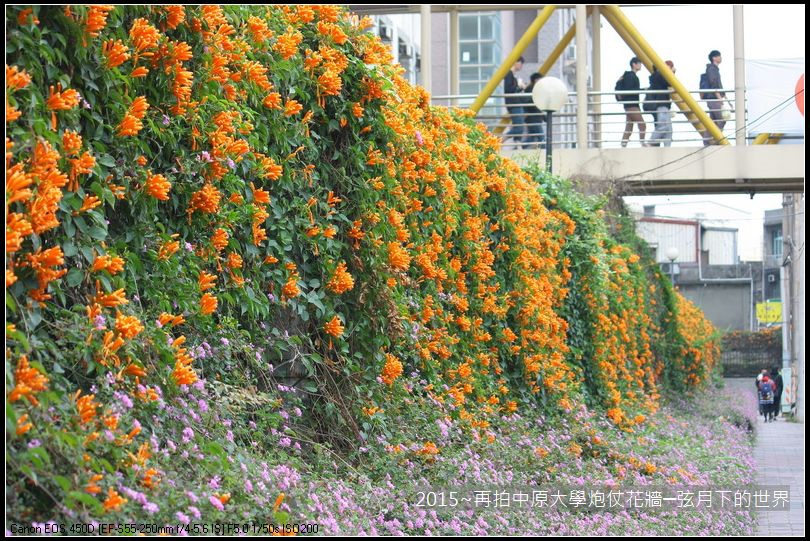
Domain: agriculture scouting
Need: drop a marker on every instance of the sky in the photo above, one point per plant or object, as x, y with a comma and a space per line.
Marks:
685, 35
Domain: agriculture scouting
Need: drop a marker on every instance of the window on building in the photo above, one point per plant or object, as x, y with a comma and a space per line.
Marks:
479, 50
776, 247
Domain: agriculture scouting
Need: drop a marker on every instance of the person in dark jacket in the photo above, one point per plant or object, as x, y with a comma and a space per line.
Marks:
533, 116
715, 103
631, 107
777, 395
659, 104
767, 388
514, 104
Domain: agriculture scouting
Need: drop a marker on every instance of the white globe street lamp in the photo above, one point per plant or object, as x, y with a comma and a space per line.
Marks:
549, 95
672, 254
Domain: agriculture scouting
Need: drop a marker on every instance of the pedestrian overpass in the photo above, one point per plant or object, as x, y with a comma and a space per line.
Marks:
585, 130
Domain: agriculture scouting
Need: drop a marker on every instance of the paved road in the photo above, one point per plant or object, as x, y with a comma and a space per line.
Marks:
779, 460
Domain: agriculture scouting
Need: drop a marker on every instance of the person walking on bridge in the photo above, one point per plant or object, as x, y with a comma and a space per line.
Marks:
714, 99
629, 82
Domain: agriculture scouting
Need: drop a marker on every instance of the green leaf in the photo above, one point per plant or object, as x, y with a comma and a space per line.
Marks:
62, 482
69, 248
86, 499
106, 160
75, 277
98, 233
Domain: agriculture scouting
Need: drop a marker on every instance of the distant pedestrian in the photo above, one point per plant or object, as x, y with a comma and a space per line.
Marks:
629, 82
534, 117
514, 104
711, 80
777, 395
659, 103
766, 391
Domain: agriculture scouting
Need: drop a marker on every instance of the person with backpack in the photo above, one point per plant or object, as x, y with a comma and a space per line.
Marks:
710, 80
658, 103
766, 391
534, 117
629, 82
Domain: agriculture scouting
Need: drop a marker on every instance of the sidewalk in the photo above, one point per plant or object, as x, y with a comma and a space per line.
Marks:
779, 460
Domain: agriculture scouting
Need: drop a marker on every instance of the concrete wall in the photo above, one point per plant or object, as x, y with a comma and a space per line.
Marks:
728, 306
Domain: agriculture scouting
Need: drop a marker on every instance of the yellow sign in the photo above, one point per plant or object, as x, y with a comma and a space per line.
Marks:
769, 312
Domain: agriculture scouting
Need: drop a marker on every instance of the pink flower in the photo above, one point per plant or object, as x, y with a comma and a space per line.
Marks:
216, 503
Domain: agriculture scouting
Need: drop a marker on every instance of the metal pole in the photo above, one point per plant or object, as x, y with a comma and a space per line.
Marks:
596, 26
520, 46
548, 141
454, 55
582, 76
427, 56
739, 76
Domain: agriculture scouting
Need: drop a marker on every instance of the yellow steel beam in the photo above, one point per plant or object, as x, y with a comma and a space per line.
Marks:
767, 139
520, 46
687, 99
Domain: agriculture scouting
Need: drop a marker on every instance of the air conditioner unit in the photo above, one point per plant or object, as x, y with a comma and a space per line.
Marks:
771, 278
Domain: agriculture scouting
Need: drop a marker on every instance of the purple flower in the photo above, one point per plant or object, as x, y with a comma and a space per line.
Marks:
189, 247
182, 517
194, 511
231, 164
229, 436
34, 443
419, 140
86, 104
225, 341
205, 156
151, 508
272, 299
214, 482
248, 486
188, 434
216, 503
203, 405
100, 322
166, 120
285, 442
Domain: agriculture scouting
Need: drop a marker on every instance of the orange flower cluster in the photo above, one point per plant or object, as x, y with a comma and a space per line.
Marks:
111, 264
183, 373
392, 369
43, 263
341, 281
97, 19
157, 186
144, 36
175, 16
115, 52
128, 327
114, 501
205, 200
62, 101
287, 44
132, 125
334, 327
27, 382
86, 406
398, 257
208, 304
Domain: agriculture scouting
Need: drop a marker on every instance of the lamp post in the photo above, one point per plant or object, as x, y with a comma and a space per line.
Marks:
672, 255
549, 95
